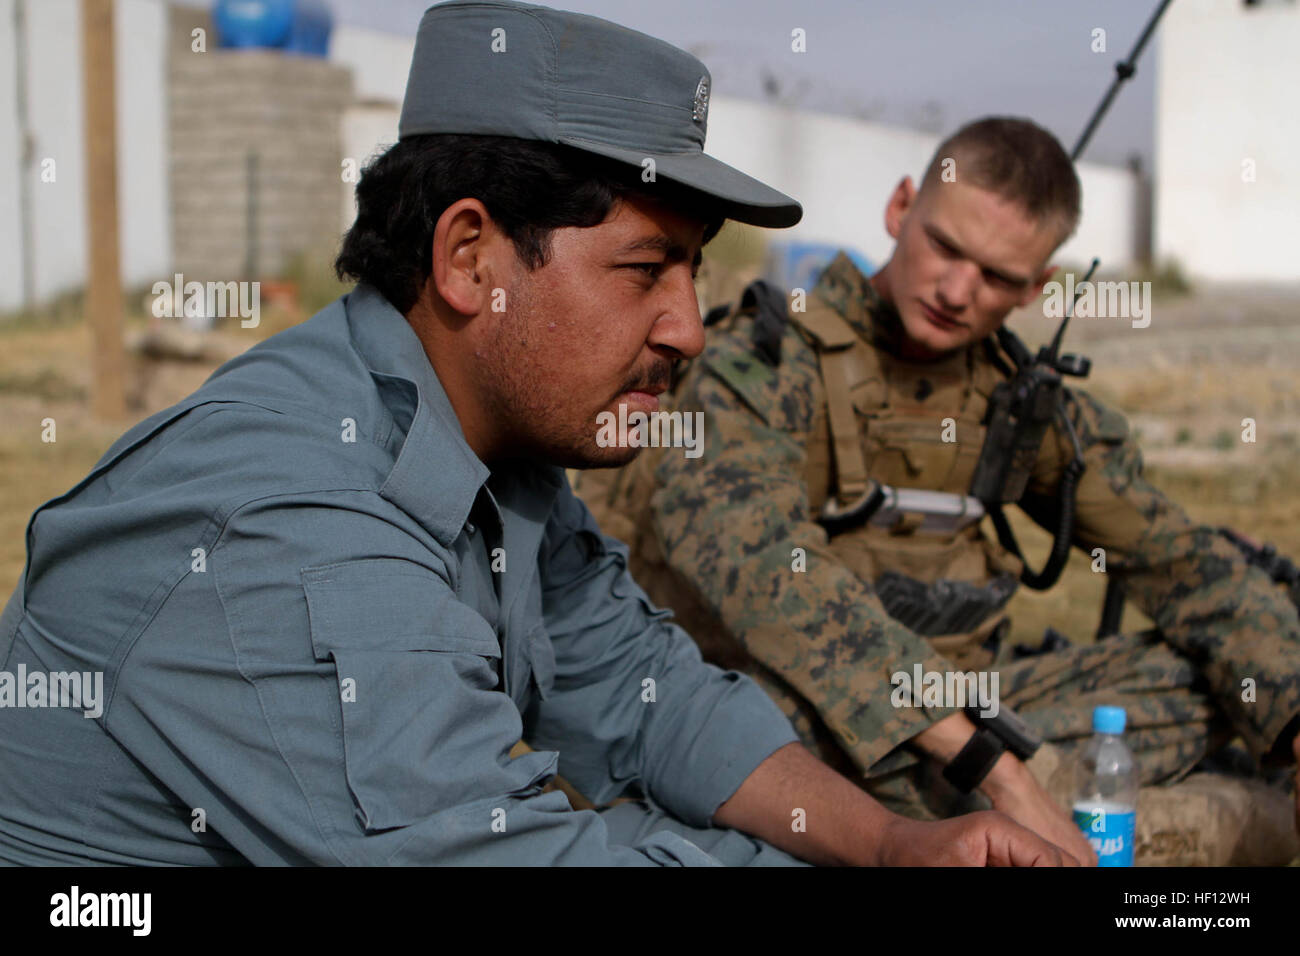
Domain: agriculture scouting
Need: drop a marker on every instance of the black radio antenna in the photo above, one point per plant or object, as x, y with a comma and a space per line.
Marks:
1124, 70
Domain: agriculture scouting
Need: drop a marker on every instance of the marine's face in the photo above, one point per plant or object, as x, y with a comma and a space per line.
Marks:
965, 258
598, 326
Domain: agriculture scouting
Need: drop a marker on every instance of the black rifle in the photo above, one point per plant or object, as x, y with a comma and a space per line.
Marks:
1019, 414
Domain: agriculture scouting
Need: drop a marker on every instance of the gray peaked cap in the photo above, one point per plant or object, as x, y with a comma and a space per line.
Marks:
495, 67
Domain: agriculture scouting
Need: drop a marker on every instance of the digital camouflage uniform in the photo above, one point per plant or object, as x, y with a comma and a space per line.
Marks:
715, 538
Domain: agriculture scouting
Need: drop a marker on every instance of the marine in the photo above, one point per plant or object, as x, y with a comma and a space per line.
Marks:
880, 384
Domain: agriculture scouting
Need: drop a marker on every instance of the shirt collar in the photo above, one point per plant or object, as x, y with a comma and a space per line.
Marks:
437, 475
851, 294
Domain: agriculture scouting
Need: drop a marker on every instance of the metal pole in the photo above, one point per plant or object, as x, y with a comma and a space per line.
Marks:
251, 251
104, 282
25, 149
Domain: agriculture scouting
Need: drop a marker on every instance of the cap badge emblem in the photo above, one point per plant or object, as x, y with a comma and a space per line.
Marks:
701, 110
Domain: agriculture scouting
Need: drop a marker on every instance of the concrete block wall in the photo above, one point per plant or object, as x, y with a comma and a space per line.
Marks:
284, 110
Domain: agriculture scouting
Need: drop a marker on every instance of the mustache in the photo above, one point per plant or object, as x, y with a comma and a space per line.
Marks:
657, 376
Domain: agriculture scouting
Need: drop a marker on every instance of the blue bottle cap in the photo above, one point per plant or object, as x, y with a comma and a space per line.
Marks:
1108, 720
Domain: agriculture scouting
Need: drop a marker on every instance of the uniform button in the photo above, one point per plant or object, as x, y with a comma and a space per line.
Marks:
924, 389
469, 528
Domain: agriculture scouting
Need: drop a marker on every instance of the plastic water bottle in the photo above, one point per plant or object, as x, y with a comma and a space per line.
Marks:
1106, 790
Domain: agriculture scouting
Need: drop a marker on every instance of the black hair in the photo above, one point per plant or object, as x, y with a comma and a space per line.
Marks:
530, 188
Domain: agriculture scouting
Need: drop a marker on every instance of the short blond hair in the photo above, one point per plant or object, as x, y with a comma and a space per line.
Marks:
1020, 161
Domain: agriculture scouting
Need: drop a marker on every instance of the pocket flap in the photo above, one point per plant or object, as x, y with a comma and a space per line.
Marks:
387, 604
541, 655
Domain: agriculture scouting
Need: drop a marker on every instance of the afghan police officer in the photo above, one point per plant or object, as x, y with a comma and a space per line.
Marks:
873, 397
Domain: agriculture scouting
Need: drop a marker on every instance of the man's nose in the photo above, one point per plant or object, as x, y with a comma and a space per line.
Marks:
957, 287
679, 327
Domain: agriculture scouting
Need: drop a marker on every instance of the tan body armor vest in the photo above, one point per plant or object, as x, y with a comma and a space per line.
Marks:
906, 425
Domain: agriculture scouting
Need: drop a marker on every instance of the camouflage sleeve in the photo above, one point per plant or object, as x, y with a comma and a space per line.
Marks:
1229, 618
735, 521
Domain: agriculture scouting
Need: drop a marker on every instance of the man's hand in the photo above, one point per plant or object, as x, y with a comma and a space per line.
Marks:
1011, 787
795, 802
1015, 792
976, 839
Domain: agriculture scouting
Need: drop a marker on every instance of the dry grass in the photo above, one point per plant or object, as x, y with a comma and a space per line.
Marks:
45, 372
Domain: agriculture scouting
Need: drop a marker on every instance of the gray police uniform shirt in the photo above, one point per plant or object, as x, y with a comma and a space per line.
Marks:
318, 650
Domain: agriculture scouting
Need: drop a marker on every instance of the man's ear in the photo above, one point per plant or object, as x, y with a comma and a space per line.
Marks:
1035, 290
900, 201
463, 247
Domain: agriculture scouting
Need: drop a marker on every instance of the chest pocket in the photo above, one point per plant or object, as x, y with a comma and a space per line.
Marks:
410, 662
911, 450
541, 658
530, 657
920, 424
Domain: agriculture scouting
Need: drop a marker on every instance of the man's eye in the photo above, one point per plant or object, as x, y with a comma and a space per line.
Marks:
942, 246
652, 269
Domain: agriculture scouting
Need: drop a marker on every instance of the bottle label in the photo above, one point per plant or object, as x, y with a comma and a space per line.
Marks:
1110, 831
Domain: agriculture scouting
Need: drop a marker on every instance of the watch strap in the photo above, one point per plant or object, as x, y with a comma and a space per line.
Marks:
974, 761
1011, 728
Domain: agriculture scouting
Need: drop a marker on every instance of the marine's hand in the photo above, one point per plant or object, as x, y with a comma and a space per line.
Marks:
1010, 786
1015, 792
976, 839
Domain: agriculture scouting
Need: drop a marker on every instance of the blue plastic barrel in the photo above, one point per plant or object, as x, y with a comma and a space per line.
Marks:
309, 35
797, 265
252, 23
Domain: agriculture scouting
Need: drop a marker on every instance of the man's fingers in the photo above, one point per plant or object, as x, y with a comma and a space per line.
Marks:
1010, 844
1079, 845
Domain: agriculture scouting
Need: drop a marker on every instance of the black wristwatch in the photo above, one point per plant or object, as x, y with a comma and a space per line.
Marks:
973, 763
1017, 735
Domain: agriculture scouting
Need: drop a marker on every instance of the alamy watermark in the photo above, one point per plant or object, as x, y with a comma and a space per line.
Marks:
76, 689
74, 908
208, 300
651, 430
957, 689
1102, 300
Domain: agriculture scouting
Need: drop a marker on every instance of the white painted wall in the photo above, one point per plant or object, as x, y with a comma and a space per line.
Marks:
144, 183
11, 237
842, 170
58, 208
379, 61
1225, 93
379, 64
368, 128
